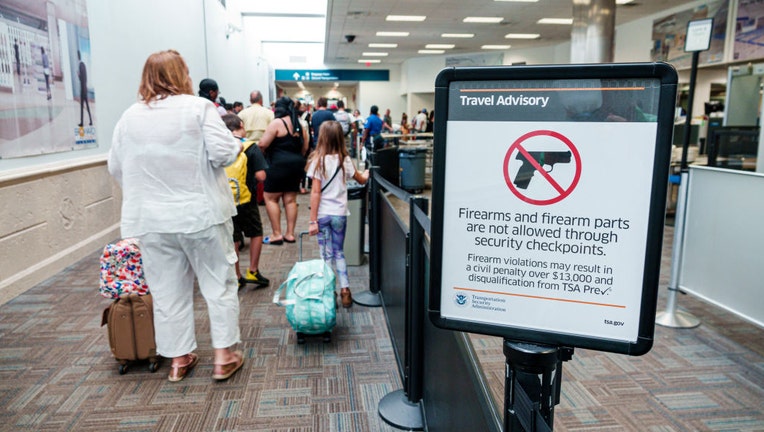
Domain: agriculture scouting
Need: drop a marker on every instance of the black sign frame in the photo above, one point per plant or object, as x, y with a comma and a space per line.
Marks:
667, 77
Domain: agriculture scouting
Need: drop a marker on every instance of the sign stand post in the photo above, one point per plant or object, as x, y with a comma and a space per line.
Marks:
532, 385
698, 39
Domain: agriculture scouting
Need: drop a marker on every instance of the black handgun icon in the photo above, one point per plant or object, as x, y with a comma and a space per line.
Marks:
526, 171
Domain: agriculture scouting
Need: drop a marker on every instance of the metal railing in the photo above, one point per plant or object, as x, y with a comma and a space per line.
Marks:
444, 387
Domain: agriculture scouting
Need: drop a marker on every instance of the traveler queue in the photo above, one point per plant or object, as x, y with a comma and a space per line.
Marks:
190, 169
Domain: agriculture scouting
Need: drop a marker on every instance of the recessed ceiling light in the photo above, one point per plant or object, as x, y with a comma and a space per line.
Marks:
483, 20
383, 45
495, 47
439, 46
374, 54
623, 2
521, 1
522, 36
416, 18
428, 51
369, 61
458, 35
394, 34
566, 21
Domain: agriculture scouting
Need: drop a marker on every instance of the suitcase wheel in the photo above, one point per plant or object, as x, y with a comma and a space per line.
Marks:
300, 338
327, 337
123, 369
153, 366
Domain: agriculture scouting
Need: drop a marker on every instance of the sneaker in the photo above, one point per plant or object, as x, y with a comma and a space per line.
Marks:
256, 278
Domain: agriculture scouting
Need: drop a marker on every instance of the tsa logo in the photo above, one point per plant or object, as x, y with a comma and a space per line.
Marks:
461, 300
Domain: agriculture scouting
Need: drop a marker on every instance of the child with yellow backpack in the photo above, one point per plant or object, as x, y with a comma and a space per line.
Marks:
243, 175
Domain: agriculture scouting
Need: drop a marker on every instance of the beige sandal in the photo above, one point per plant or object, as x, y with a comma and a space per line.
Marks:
178, 372
222, 372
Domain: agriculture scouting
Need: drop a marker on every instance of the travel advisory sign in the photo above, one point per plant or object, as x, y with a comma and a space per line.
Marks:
548, 202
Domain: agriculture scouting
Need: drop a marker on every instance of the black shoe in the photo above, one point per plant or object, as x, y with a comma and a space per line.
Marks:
256, 278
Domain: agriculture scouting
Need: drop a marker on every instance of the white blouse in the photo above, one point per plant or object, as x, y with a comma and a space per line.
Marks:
334, 199
168, 156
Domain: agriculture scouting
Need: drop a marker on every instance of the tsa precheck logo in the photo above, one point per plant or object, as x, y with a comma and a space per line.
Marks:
461, 300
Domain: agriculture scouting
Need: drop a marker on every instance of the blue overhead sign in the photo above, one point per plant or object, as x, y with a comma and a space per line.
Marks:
332, 75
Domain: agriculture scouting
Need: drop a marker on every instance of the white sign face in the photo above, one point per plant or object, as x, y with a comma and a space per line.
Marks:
699, 35
545, 222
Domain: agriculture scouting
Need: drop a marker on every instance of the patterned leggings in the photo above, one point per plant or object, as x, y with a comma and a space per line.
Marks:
331, 242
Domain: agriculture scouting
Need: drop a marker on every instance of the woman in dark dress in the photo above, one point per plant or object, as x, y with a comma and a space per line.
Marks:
284, 143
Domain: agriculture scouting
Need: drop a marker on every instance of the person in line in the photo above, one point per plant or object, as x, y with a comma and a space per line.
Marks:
82, 74
284, 143
256, 117
330, 167
430, 122
321, 115
404, 125
208, 89
348, 127
168, 152
371, 129
387, 121
420, 121
237, 107
303, 111
251, 166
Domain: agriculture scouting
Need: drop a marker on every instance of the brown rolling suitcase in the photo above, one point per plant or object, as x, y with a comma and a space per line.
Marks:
130, 324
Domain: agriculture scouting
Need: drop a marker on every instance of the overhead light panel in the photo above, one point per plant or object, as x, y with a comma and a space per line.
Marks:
383, 45
563, 21
483, 20
430, 51
374, 54
495, 47
458, 35
393, 34
414, 18
623, 2
369, 61
522, 36
439, 46
521, 1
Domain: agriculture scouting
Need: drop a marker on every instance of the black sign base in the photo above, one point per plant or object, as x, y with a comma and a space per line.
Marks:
396, 410
532, 385
368, 299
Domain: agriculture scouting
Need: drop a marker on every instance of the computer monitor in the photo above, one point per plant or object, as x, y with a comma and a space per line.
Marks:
734, 147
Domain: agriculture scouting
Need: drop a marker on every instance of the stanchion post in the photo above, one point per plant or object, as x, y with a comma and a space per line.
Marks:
371, 298
672, 317
415, 307
401, 408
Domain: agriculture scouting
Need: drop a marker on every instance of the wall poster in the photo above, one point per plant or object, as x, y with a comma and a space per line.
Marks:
47, 101
669, 34
749, 30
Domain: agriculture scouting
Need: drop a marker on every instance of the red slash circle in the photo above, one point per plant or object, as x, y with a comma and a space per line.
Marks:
563, 192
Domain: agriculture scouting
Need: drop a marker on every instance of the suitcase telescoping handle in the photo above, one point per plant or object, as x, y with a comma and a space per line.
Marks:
302, 233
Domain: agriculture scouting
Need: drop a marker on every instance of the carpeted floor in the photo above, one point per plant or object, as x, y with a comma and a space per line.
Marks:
57, 374
709, 378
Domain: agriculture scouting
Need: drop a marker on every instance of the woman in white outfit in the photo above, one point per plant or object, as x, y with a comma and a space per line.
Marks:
168, 152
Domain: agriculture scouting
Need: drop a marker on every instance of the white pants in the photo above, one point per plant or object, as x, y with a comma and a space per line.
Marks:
170, 262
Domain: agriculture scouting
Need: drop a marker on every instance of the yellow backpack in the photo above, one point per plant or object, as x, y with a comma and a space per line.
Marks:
237, 177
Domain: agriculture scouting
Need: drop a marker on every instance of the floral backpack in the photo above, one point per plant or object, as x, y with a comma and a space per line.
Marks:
122, 270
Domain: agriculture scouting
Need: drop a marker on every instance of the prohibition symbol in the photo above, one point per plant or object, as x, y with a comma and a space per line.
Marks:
533, 153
